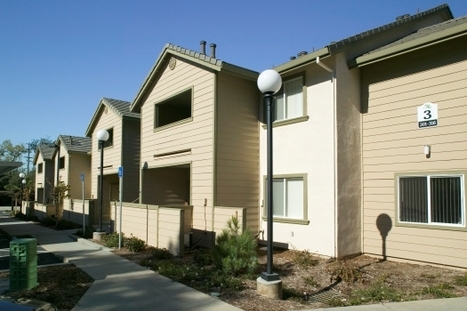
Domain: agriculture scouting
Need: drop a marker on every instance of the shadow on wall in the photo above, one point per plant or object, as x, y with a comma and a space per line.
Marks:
384, 225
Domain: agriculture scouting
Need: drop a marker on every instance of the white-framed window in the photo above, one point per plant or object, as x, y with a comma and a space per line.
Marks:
288, 197
290, 100
431, 199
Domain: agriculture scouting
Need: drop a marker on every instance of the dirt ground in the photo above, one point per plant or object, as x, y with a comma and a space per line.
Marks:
308, 282
313, 282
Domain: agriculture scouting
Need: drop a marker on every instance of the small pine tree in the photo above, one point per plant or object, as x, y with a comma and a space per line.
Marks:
235, 250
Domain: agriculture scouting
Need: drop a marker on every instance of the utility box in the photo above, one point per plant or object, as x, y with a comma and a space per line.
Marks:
23, 264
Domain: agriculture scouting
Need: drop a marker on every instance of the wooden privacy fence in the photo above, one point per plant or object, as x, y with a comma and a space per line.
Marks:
166, 227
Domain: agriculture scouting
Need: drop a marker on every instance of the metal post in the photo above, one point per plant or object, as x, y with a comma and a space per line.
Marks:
101, 190
82, 197
269, 275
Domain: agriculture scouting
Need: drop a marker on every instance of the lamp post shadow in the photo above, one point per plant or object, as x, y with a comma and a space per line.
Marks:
384, 225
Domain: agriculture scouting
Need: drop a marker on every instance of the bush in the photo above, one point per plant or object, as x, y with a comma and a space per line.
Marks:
49, 222
203, 257
20, 215
134, 244
341, 270
235, 252
111, 240
64, 224
87, 234
161, 254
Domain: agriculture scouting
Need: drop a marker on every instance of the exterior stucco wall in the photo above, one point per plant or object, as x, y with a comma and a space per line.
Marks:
307, 148
348, 154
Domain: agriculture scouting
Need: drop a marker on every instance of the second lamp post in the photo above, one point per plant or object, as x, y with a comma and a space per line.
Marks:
102, 137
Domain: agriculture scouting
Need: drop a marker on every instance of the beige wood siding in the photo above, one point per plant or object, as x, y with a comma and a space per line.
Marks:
112, 154
79, 164
62, 173
195, 135
237, 146
393, 143
130, 159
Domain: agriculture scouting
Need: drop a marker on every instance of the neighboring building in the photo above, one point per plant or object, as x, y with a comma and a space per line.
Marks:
72, 158
318, 141
121, 149
43, 161
414, 146
199, 136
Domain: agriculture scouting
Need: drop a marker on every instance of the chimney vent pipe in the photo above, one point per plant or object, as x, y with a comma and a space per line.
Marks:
213, 50
203, 47
302, 53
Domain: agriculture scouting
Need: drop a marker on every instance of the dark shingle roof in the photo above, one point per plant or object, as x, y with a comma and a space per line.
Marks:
47, 151
399, 21
423, 32
120, 107
76, 144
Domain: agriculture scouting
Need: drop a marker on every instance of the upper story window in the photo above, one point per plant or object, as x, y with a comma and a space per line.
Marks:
174, 109
61, 163
431, 199
290, 99
40, 167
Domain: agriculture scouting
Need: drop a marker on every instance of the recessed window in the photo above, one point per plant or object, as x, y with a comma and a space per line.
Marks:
40, 168
290, 100
109, 142
431, 199
61, 163
174, 109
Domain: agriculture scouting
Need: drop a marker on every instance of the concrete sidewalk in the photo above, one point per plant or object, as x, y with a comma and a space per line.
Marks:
123, 285
119, 284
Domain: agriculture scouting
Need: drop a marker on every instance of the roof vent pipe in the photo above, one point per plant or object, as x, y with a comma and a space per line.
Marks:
302, 53
203, 47
213, 50
292, 57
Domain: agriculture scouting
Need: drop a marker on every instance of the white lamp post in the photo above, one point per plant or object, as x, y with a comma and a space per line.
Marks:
102, 137
269, 83
23, 182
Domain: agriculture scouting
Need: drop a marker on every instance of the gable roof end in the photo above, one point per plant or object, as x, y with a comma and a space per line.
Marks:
75, 144
203, 60
120, 107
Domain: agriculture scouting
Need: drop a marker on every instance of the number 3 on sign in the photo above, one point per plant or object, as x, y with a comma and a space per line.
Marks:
427, 115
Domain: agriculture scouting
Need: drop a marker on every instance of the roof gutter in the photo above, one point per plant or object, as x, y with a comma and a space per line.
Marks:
303, 60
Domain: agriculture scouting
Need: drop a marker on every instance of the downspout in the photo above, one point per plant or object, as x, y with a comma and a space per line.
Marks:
334, 131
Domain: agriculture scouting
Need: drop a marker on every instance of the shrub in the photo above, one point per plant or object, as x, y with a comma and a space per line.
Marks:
111, 240
20, 215
235, 252
461, 280
134, 244
87, 234
203, 257
344, 271
305, 259
49, 222
161, 254
64, 224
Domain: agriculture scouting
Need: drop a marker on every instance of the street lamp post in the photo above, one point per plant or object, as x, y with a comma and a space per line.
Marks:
269, 83
102, 137
23, 182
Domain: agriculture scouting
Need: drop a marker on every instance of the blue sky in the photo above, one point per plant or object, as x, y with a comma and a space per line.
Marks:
58, 58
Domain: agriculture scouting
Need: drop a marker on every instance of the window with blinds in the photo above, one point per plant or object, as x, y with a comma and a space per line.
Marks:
288, 197
431, 199
289, 101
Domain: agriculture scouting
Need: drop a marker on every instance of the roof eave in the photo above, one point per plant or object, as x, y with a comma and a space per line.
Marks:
302, 61
435, 38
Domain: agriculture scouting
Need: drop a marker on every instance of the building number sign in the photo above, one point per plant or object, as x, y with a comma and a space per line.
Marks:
427, 115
